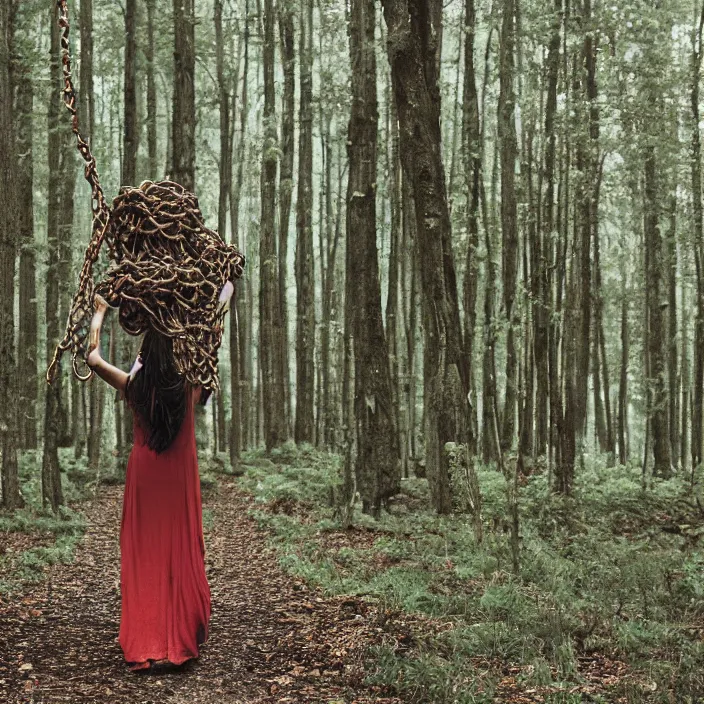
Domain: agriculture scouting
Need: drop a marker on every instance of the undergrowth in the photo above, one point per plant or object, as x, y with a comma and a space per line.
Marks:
32, 538
614, 572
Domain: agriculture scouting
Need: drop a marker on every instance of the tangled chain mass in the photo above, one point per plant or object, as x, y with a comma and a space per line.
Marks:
166, 271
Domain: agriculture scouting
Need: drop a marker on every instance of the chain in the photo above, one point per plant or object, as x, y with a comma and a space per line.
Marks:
167, 268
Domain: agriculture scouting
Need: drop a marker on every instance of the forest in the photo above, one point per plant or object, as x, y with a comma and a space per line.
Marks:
457, 451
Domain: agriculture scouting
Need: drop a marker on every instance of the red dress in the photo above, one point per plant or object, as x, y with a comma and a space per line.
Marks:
165, 593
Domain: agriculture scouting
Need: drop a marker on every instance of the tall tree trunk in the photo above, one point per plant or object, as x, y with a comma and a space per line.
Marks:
238, 332
587, 159
655, 331
509, 226
11, 496
543, 308
288, 59
269, 296
698, 234
414, 32
27, 370
225, 175
183, 166
129, 173
623, 383
395, 255
86, 118
685, 387
670, 256
305, 264
472, 149
52, 494
151, 92
377, 466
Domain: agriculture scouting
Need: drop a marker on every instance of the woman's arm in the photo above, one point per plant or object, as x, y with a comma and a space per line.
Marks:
106, 371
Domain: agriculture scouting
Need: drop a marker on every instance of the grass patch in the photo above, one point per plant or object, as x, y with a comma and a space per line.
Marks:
33, 538
612, 575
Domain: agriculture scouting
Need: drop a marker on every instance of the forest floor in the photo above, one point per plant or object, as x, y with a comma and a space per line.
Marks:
408, 607
272, 638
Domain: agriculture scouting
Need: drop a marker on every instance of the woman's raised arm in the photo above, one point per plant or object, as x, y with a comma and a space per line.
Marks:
106, 371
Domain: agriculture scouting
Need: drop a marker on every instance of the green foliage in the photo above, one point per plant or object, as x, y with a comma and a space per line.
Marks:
609, 570
53, 535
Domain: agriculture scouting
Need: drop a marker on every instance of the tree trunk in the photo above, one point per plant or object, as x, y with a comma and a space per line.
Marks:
183, 165
655, 331
288, 54
27, 369
509, 228
225, 177
52, 494
623, 383
414, 31
151, 93
670, 253
269, 295
377, 466
544, 306
305, 264
698, 233
238, 306
11, 496
129, 175
472, 149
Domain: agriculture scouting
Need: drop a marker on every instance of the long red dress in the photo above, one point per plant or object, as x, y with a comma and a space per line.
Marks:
165, 593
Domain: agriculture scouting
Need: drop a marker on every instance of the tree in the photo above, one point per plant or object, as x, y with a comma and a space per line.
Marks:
304, 257
269, 296
414, 31
11, 497
377, 460
52, 494
698, 234
509, 225
286, 180
238, 332
183, 143
27, 369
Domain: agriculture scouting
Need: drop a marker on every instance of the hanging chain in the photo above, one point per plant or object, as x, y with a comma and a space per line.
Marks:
167, 268
78, 323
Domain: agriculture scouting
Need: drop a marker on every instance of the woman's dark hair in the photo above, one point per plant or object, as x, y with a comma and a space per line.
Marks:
157, 392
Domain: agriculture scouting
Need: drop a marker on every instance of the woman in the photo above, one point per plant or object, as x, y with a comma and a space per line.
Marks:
164, 590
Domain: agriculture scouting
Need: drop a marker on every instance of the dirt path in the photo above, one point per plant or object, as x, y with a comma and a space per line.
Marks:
272, 638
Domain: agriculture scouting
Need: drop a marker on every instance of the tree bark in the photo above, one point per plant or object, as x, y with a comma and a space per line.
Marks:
305, 265
377, 468
698, 233
655, 332
472, 150
225, 178
183, 165
11, 496
129, 176
509, 227
151, 92
52, 494
27, 369
544, 306
670, 255
414, 31
288, 54
238, 332
269, 295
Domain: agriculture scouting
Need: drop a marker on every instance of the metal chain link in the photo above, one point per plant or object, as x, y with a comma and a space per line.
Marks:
167, 268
